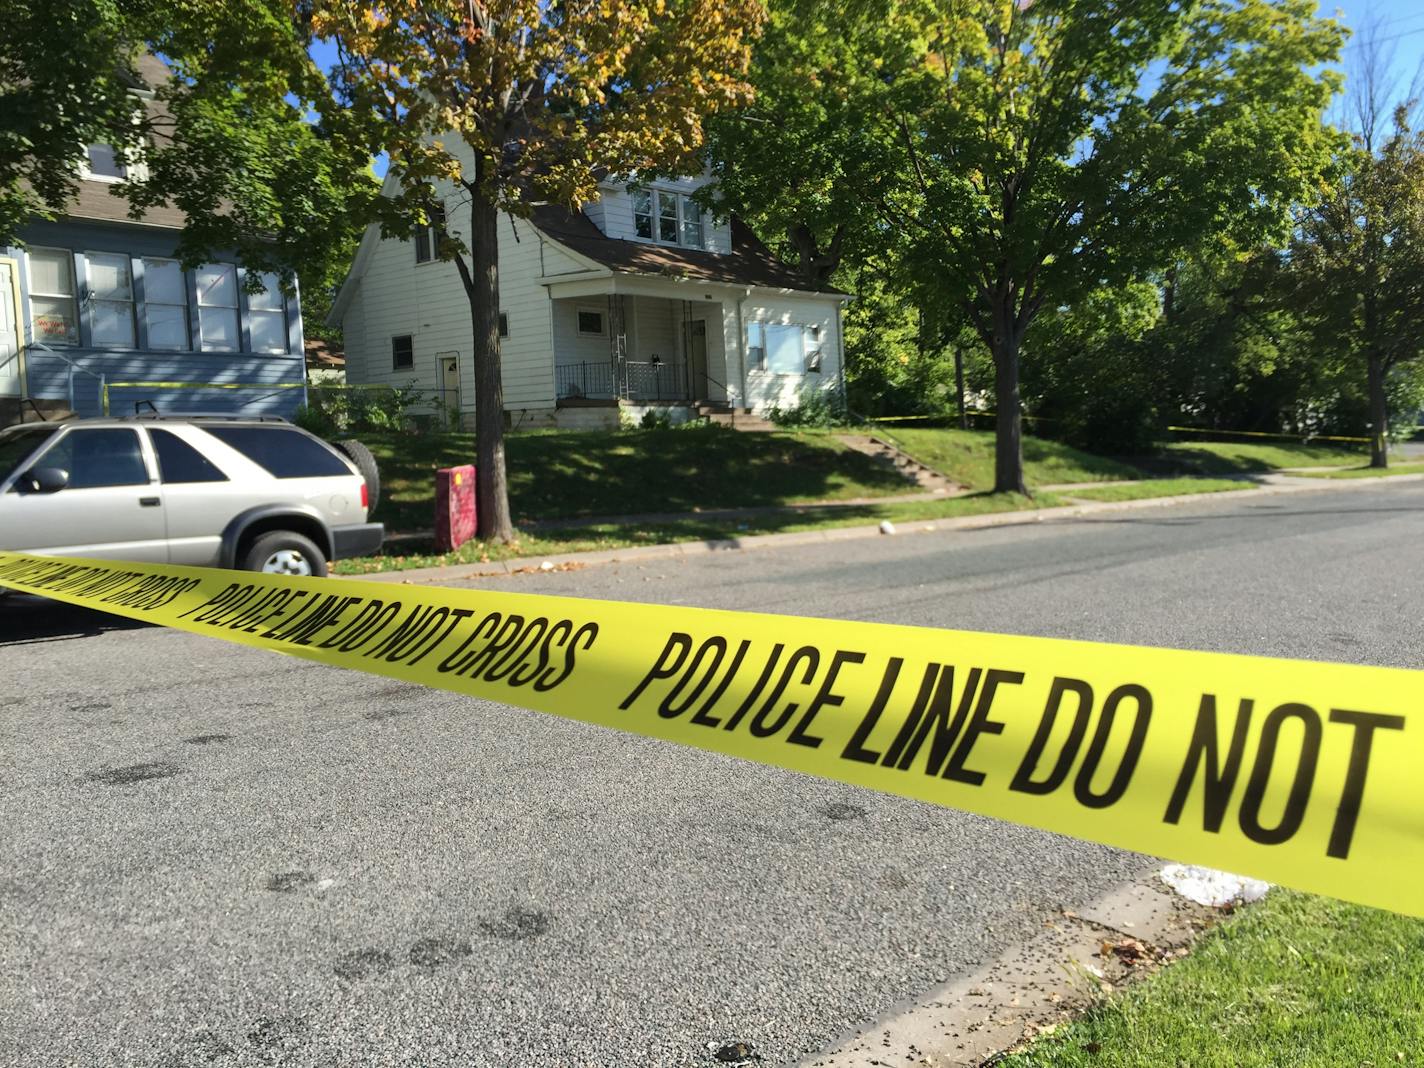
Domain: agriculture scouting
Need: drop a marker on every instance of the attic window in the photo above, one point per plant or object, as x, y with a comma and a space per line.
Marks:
667, 218
427, 238
105, 164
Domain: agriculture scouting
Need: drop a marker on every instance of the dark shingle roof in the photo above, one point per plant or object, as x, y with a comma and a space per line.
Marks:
749, 263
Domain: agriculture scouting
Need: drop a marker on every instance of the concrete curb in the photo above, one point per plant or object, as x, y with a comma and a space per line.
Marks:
533, 564
1032, 986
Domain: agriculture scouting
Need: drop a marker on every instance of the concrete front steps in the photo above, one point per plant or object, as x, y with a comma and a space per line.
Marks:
24, 410
736, 418
926, 478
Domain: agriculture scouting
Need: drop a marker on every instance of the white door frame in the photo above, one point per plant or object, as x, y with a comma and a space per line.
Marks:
14, 265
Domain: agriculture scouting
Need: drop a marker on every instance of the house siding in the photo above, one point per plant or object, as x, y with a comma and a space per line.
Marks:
765, 389
395, 296
48, 375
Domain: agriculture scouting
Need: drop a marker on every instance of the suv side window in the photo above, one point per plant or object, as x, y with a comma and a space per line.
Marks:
97, 458
179, 462
281, 452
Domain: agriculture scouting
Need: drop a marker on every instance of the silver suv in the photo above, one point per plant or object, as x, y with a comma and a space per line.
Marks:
260, 495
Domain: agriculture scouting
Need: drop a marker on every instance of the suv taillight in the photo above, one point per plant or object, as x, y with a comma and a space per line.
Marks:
365, 495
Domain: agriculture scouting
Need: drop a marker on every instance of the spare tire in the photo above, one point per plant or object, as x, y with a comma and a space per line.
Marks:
361, 456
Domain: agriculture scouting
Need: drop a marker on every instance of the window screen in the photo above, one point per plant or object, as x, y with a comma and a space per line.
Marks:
280, 452
98, 458
784, 354
111, 303
217, 308
756, 346
267, 317
55, 315
402, 353
165, 304
179, 462
590, 322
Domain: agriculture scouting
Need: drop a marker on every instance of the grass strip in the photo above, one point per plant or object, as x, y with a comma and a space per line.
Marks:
1297, 980
1366, 472
1156, 487
603, 536
1244, 458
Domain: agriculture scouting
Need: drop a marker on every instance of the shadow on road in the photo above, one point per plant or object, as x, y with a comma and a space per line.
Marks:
26, 620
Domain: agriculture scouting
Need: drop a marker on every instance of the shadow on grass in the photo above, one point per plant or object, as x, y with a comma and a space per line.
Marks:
571, 475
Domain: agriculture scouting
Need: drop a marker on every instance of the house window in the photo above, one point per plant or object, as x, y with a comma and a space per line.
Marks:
267, 316
590, 323
756, 346
785, 354
54, 314
813, 350
165, 304
643, 213
111, 300
105, 164
217, 308
503, 324
402, 353
428, 237
668, 218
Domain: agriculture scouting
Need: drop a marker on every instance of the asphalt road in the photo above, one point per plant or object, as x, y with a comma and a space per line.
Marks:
219, 856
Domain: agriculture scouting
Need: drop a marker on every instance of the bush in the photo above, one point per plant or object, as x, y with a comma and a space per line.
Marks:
813, 409
340, 409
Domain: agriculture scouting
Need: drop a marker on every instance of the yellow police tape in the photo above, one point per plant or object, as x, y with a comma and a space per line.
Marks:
1306, 774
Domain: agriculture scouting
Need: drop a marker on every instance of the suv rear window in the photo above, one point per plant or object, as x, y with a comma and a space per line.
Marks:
280, 452
17, 443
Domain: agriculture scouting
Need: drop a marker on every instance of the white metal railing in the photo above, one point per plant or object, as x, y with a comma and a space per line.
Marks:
72, 367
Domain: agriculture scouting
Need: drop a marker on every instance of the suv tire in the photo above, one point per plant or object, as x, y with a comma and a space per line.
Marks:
361, 456
282, 552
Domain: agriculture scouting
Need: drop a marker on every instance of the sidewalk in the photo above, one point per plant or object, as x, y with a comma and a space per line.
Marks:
1270, 484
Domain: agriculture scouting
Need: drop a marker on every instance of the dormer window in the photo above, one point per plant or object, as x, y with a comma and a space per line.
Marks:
105, 164
667, 218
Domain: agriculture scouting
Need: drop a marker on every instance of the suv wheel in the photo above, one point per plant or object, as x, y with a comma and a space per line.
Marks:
361, 456
284, 553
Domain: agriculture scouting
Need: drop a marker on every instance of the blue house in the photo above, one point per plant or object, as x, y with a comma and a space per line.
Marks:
96, 312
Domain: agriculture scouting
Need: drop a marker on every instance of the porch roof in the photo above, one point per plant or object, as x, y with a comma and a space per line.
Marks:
750, 263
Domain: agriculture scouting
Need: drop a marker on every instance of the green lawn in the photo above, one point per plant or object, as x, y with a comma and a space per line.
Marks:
400, 557
1297, 981
1369, 472
1156, 487
1242, 458
967, 457
569, 475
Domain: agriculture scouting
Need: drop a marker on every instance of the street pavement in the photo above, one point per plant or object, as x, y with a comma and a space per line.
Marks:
220, 856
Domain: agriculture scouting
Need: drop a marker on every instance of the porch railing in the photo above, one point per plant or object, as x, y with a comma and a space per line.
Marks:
656, 381
637, 382
592, 380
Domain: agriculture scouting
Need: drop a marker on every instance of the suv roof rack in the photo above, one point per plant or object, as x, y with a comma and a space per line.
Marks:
226, 416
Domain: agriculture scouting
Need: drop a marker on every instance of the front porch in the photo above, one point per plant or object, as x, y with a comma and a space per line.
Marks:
640, 350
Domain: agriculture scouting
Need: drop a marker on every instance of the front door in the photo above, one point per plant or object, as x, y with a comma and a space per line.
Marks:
10, 379
450, 387
697, 358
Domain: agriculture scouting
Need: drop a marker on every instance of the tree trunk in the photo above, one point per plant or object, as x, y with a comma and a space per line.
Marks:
1008, 435
1379, 414
491, 483
959, 385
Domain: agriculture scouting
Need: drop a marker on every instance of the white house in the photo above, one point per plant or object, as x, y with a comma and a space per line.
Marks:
640, 300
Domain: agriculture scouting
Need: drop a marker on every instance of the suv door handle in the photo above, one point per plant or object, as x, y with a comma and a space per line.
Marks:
148, 502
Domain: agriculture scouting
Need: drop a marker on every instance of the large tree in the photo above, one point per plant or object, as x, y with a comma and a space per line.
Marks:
1358, 264
513, 102
66, 70
1017, 155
